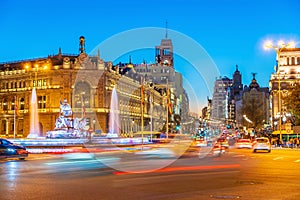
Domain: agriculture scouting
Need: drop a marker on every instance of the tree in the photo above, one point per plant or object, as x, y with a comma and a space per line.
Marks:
253, 109
292, 102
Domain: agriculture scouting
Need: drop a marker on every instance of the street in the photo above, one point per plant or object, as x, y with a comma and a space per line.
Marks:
238, 174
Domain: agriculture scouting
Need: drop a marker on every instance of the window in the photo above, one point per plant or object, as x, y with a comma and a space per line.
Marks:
82, 95
12, 105
22, 104
3, 125
41, 102
166, 52
5, 104
293, 61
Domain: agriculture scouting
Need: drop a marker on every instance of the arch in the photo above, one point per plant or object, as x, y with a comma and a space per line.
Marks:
293, 61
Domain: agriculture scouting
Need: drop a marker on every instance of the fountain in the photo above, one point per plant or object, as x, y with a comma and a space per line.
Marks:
114, 118
34, 117
66, 126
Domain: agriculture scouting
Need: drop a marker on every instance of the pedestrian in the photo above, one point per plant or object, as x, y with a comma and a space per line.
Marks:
291, 143
297, 142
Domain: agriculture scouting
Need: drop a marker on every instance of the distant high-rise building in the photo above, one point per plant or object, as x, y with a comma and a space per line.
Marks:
220, 99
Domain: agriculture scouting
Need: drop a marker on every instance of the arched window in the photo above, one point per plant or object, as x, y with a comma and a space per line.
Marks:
293, 61
82, 95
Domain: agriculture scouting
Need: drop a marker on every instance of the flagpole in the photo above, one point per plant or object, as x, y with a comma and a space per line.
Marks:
151, 112
15, 119
142, 113
167, 120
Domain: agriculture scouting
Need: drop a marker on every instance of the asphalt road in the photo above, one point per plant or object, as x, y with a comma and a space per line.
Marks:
238, 174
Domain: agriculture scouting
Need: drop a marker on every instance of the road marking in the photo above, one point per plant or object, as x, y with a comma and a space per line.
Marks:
297, 160
278, 158
240, 155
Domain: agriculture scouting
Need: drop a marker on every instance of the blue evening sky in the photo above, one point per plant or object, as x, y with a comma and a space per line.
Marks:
231, 31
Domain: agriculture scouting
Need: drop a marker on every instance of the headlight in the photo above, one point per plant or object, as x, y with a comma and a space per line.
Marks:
10, 150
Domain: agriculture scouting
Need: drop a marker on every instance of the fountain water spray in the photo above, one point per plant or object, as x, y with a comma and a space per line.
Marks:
34, 117
114, 118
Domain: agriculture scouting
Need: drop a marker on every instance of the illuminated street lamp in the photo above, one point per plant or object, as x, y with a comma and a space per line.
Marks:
278, 48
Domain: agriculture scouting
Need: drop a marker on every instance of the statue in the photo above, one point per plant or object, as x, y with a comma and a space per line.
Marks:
66, 126
65, 109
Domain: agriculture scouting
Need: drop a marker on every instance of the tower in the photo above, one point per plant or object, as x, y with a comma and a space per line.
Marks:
164, 52
237, 83
81, 44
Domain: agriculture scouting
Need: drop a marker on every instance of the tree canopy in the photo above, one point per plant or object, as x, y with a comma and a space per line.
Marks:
292, 102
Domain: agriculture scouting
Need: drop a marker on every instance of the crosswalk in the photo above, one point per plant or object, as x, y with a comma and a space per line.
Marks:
295, 158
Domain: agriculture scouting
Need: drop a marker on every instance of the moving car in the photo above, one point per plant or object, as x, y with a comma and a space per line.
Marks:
243, 143
224, 143
10, 150
262, 143
218, 149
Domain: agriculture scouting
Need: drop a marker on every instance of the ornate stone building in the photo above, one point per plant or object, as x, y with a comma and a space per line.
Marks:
85, 82
287, 73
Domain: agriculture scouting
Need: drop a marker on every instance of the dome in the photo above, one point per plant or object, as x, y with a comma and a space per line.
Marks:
254, 84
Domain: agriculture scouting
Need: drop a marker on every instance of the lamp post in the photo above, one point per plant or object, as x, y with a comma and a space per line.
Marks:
131, 128
278, 48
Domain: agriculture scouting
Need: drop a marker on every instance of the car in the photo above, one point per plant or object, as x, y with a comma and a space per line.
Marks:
261, 143
11, 150
218, 149
243, 143
224, 143
200, 143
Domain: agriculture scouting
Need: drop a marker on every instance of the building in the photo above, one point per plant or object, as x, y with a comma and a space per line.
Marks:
86, 82
220, 100
163, 76
236, 93
286, 74
255, 105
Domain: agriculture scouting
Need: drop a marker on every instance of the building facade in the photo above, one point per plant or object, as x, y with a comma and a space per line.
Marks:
86, 82
220, 100
255, 105
286, 74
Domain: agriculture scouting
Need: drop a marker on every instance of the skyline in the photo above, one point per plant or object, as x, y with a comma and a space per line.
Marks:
230, 32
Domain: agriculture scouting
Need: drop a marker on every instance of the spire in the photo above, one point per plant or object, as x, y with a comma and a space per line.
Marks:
59, 50
129, 59
98, 54
236, 68
166, 29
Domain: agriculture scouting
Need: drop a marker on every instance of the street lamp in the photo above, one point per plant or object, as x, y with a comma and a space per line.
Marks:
278, 48
131, 129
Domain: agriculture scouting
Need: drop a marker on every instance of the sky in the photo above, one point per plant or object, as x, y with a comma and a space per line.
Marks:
230, 32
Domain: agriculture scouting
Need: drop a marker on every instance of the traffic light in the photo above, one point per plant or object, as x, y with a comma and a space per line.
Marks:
177, 127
